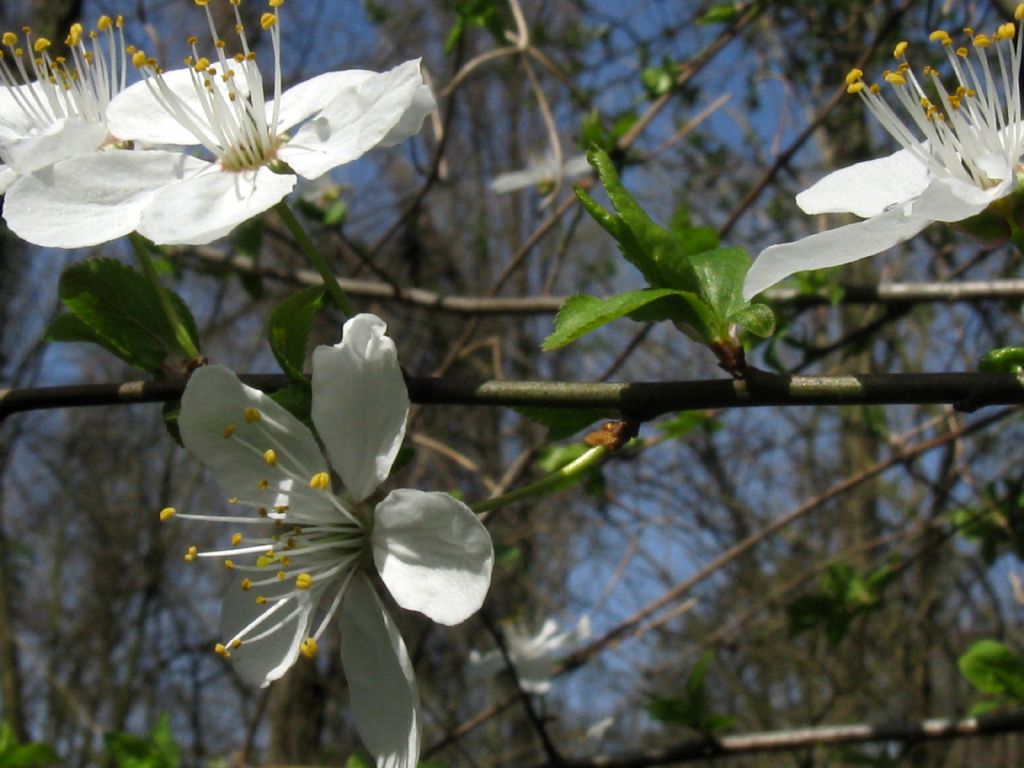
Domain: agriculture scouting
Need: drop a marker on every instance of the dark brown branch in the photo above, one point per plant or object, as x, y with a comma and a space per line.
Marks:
639, 401
937, 729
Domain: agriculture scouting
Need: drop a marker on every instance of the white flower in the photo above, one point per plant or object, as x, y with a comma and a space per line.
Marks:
53, 108
534, 655
540, 172
336, 117
969, 157
430, 550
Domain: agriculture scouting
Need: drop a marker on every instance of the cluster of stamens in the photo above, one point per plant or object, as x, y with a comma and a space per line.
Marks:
314, 551
979, 118
234, 124
61, 87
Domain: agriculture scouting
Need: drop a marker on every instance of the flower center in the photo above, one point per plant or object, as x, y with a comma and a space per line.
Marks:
50, 88
972, 132
227, 112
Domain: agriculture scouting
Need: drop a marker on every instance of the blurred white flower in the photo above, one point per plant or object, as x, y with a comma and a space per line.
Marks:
969, 157
541, 172
309, 561
533, 654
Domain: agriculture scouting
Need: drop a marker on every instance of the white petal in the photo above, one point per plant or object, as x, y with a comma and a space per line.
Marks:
310, 96
90, 199
135, 114
13, 119
7, 177
576, 166
383, 109
867, 189
360, 403
956, 200
214, 429
433, 554
207, 206
513, 180
381, 683
260, 662
831, 248
61, 139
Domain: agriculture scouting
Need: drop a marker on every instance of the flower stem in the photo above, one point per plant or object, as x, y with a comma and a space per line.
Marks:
181, 334
555, 480
341, 301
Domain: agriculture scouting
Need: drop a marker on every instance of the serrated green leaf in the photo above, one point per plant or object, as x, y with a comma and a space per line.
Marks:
563, 422
290, 325
121, 310
68, 328
582, 314
297, 399
1003, 360
991, 667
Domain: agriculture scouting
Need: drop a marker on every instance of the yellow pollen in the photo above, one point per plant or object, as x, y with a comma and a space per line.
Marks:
236, 644
139, 58
304, 581
75, 34
281, 508
262, 485
854, 75
281, 575
940, 36
962, 53
41, 45
321, 481
10, 39
982, 41
233, 500
236, 539
104, 23
251, 414
1018, 12
275, 3
268, 20
855, 87
229, 430
308, 648
900, 49
167, 513
201, 3
191, 554
260, 599
219, 648
229, 564
246, 585
270, 457
894, 78
1006, 31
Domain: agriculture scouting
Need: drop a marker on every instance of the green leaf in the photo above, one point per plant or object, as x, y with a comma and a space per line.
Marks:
692, 239
1003, 360
720, 14
685, 422
758, 319
247, 242
297, 399
582, 314
15, 755
158, 750
657, 81
290, 326
563, 422
118, 308
356, 760
992, 667
691, 709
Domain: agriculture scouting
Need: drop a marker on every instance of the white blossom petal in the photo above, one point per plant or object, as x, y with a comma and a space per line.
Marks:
383, 109
382, 686
136, 114
7, 177
956, 200
218, 427
360, 403
869, 188
90, 199
433, 554
260, 662
831, 248
61, 139
307, 98
207, 206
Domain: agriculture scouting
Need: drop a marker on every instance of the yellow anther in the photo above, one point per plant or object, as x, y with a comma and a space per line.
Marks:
192, 40
139, 58
1018, 12
41, 44
202, 65
321, 481
281, 575
251, 414
304, 581
268, 20
940, 36
854, 75
262, 512
875, 88
982, 41
220, 649
260, 599
191, 554
9, 39
275, 3
229, 564
308, 648
894, 78
246, 585
233, 500
1006, 31
263, 561
281, 508
262, 485
235, 644
855, 87
201, 3
75, 34
270, 457
104, 23
236, 539
229, 430
167, 513
900, 49
962, 52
